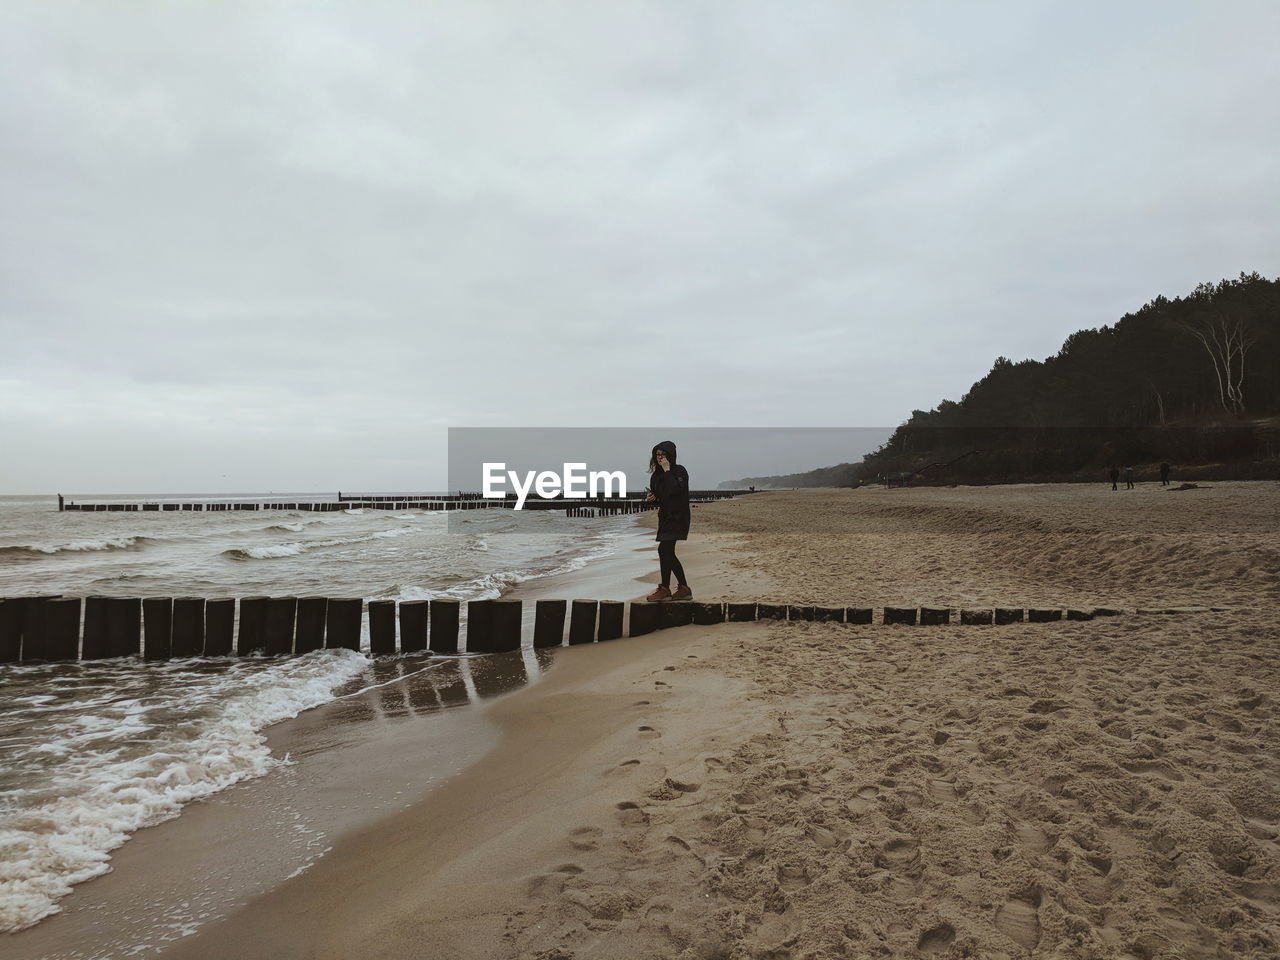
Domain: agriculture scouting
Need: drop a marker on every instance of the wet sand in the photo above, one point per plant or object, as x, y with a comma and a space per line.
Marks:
1096, 789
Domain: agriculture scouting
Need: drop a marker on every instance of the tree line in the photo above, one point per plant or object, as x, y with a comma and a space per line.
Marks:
1195, 380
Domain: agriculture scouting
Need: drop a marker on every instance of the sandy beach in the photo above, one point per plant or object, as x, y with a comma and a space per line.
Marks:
784, 790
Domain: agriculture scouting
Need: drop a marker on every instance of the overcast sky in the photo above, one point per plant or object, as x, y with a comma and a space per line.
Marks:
260, 245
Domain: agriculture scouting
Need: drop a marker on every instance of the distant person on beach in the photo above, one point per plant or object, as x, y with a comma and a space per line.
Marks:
1164, 473
1115, 478
1128, 478
669, 486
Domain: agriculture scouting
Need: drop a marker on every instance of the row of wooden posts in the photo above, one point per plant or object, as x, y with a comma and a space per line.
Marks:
56, 628
602, 506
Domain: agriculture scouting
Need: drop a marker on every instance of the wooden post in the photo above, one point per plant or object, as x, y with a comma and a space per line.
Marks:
219, 626
708, 613
97, 642
976, 618
644, 617
281, 612
413, 625
479, 625
1005, 615
771, 611
858, 615
188, 627
741, 612
508, 615
548, 622
251, 633
342, 623
12, 612
905, 615
382, 628
124, 626
1043, 616
62, 629
33, 629
582, 622
676, 614
310, 631
934, 616
611, 612
444, 626
157, 628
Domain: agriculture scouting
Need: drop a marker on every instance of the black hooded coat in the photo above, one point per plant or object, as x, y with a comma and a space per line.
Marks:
671, 488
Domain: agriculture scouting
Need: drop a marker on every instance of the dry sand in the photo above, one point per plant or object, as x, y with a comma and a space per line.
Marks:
788, 790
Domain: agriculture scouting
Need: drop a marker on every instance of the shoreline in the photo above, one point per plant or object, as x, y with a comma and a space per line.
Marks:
569, 740
348, 772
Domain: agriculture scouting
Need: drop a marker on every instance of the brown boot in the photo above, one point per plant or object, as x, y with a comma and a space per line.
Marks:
682, 592
662, 593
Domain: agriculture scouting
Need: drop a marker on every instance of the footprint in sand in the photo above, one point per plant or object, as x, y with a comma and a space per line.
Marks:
1031, 838
584, 838
944, 791
1264, 896
671, 789
1019, 920
630, 814
791, 876
936, 939
820, 835
898, 853
648, 733
548, 886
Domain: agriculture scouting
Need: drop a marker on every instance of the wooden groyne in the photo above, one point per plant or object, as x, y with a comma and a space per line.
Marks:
597, 507
56, 628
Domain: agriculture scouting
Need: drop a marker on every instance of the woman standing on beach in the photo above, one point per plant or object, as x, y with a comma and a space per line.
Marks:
669, 486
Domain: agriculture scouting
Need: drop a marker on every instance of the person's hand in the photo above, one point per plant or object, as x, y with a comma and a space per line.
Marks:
649, 498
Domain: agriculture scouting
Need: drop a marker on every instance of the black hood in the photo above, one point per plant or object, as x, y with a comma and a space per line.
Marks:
669, 448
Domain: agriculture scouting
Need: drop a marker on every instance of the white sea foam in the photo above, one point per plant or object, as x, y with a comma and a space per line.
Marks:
277, 550
490, 586
93, 806
78, 546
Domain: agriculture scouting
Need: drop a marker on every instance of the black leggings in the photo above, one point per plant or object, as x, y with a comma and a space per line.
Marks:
668, 563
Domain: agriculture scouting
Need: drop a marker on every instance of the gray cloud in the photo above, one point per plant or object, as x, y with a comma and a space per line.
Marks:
292, 243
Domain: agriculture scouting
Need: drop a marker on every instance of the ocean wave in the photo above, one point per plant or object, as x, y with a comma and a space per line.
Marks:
491, 586
52, 847
78, 546
277, 550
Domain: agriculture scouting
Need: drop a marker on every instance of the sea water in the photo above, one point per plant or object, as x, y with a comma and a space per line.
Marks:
91, 752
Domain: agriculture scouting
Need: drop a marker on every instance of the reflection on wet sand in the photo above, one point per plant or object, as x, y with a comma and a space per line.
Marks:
399, 688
